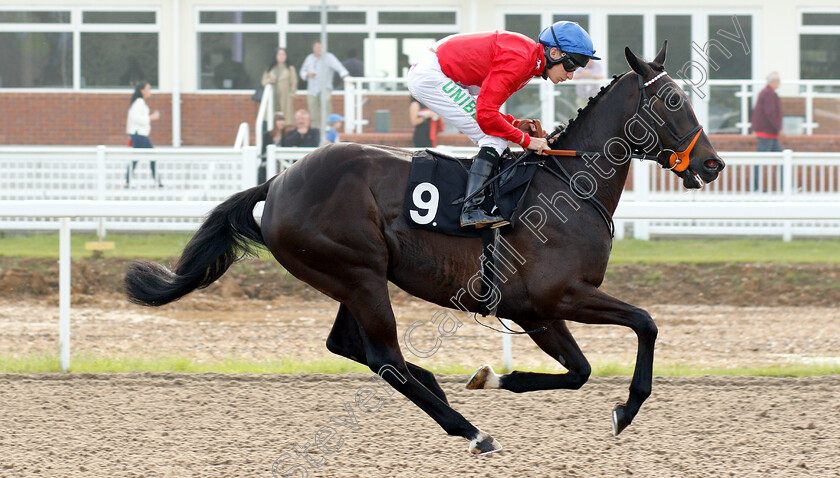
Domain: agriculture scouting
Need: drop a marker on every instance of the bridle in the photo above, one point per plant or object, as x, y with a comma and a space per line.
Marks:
677, 160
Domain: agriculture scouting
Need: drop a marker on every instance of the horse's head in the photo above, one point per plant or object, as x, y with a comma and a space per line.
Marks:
672, 131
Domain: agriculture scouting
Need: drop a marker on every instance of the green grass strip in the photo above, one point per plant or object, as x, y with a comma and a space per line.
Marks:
96, 364
162, 245
725, 250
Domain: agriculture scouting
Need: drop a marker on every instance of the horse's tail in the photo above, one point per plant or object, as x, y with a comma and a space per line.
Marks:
225, 237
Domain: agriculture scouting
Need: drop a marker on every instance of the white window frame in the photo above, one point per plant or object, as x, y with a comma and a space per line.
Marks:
76, 28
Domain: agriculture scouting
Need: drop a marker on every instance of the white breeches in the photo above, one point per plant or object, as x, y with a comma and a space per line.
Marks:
453, 102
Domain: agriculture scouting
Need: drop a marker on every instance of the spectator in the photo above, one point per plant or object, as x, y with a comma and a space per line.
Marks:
335, 121
275, 137
139, 125
304, 134
230, 74
427, 124
354, 65
767, 122
594, 70
310, 71
767, 116
284, 82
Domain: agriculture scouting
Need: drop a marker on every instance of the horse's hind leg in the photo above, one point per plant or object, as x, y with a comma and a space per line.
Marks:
346, 340
371, 307
557, 342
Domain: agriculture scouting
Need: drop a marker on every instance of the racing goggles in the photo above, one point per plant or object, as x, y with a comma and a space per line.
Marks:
570, 61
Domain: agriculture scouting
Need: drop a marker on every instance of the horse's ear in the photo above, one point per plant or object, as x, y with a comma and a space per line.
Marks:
636, 64
659, 61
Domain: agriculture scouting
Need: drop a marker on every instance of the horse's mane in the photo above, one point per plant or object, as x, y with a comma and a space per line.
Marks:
583, 111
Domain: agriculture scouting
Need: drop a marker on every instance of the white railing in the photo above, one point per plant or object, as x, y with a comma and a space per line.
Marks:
212, 174
773, 178
99, 173
243, 136
264, 114
555, 104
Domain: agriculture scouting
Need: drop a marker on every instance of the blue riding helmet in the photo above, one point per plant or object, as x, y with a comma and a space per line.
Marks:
570, 38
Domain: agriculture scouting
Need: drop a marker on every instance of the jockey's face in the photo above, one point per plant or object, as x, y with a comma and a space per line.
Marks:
557, 73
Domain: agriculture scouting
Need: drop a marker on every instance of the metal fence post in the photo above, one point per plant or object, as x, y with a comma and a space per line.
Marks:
249, 167
507, 348
64, 294
270, 161
787, 190
641, 192
350, 105
100, 186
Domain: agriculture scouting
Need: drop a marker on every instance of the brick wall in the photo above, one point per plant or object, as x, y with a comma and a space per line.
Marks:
212, 120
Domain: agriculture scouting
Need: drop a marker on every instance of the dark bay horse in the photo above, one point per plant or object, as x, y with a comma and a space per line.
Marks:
335, 220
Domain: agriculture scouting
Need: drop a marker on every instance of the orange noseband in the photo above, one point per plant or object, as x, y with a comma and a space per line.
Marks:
679, 160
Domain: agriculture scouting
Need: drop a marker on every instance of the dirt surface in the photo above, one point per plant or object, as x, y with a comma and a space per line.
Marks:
171, 425
643, 284
208, 425
213, 329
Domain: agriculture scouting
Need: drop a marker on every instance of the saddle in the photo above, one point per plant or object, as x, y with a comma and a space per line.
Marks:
436, 184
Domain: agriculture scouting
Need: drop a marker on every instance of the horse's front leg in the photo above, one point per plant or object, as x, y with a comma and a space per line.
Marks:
590, 306
558, 343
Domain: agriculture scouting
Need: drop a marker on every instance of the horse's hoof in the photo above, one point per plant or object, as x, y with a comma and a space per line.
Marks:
484, 444
484, 377
619, 419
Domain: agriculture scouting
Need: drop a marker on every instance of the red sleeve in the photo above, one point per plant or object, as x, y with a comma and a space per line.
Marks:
509, 71
495, 90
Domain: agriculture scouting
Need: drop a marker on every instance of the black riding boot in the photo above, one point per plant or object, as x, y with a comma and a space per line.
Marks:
472, 214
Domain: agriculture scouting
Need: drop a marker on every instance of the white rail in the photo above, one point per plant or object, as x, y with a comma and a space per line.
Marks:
264, 114
243, 136
212, 174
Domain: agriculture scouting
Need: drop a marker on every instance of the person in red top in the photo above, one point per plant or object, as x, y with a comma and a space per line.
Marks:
466, 78
767, 116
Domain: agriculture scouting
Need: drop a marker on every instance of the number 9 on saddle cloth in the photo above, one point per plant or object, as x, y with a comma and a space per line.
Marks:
436, 187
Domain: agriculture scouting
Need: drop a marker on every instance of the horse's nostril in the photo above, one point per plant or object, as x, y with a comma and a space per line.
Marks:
713, 164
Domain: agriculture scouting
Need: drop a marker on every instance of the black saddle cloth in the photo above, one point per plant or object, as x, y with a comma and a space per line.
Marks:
436, 185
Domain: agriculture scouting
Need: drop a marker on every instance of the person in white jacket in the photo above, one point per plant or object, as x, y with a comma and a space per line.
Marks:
138, 126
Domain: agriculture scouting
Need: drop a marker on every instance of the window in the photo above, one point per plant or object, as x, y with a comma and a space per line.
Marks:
737, 67
582, 20
677, 30
385, 41
417, 18
819, 46
333, 18
528, 25
116, 49
237, 17
234, 61
34, 17
36, 59
118, 17
623, 30
119, 60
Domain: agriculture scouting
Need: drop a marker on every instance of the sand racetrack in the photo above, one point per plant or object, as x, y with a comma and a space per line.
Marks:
211, 425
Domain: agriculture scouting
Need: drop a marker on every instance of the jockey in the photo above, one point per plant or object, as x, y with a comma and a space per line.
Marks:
467, 77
